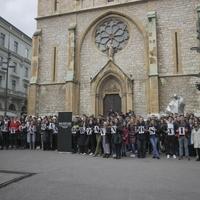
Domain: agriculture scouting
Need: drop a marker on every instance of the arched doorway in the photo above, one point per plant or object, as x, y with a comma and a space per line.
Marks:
110, 95
111, 88
12, 107
112, 103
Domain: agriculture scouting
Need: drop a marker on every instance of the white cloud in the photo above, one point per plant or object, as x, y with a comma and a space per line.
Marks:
20, 13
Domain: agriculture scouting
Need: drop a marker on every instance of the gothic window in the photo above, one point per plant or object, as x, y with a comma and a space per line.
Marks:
111, 31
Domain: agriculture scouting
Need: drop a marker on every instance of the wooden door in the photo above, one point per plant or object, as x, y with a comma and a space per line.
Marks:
111, 102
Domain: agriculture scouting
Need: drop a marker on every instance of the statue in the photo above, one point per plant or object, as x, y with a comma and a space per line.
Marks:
110, 50
176, 105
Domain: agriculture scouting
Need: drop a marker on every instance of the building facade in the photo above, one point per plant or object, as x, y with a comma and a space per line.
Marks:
15, 46
93, 55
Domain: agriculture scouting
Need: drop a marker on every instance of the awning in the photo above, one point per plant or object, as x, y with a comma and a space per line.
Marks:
9, 114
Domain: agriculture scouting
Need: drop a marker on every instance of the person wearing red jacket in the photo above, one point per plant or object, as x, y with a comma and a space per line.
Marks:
14, 132
125, 134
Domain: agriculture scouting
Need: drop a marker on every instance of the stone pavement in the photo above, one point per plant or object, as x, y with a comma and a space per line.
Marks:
77, 177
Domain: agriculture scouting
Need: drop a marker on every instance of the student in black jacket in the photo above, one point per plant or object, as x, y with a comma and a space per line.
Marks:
141, 138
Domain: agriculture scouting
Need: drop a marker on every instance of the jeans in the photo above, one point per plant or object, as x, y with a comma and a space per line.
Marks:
123, 149
13, 140
5, 140
183, 143
98, 146
198, 152
171, 144
133, 148
141, 145
154, 143
118, 150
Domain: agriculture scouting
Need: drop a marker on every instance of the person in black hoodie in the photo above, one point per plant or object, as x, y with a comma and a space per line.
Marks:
141, 138
5, 132
91, 140
75, 134
82, 136
117, 138
171, 138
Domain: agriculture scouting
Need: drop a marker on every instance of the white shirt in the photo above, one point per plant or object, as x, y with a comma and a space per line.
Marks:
170, 129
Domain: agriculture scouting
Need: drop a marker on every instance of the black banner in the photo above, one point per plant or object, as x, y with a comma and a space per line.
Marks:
64, 131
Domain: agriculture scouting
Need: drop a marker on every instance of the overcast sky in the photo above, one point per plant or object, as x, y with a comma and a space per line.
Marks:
20, 13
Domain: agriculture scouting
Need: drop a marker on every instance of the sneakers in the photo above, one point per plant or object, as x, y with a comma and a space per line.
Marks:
91, 154
174, 156
132, 155
168, 156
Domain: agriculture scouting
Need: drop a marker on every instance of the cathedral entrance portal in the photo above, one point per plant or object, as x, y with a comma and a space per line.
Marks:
111, 102
112, 89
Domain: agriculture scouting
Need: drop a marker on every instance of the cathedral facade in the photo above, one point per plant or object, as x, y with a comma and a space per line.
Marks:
90, 56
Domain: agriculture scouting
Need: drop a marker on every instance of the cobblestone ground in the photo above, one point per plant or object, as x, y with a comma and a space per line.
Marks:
77, 177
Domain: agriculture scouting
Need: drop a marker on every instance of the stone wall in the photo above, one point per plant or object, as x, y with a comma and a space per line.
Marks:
51, 99
183, 86
172, 16
131, 60
46, 7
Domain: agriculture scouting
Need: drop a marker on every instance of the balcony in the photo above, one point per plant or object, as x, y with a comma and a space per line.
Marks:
12, 93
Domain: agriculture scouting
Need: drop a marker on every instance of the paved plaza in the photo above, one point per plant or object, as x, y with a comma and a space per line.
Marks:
77, 177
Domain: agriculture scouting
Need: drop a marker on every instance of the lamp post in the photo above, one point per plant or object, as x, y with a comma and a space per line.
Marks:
6, 69
6, 89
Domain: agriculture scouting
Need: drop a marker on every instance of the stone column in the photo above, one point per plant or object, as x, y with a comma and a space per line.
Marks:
153, 64
198, 26
129, 95
33, 87
71, 103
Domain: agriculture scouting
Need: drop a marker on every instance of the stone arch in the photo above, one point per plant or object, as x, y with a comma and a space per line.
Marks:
109, 85
134, 20
111, 80
141, 28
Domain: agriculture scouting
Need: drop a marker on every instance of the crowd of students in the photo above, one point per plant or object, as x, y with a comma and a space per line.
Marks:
117, 135
29, 132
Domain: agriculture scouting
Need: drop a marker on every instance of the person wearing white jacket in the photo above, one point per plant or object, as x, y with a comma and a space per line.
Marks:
195, 139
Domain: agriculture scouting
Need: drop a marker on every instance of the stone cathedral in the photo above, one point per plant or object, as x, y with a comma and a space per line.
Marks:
90, 56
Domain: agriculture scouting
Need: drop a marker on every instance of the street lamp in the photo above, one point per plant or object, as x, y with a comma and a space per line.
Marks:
6, 89
6, 69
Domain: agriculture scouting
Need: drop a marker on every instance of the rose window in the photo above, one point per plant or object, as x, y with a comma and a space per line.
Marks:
111, 32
